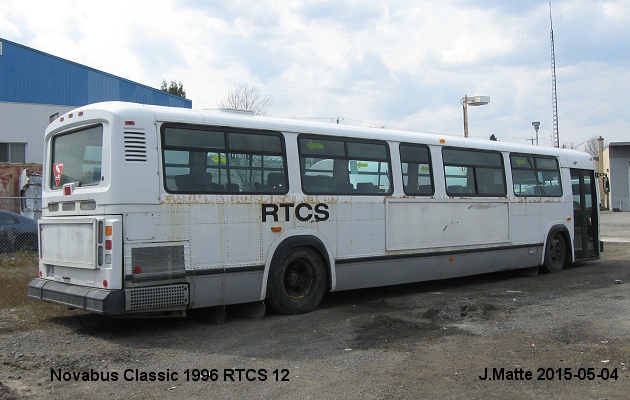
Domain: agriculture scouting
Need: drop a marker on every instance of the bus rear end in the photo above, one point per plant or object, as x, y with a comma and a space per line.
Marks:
98, 167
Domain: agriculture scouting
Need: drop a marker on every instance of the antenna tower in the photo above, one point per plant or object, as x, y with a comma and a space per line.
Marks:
554, 97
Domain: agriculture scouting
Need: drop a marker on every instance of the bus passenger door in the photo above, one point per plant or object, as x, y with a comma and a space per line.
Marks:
585, 214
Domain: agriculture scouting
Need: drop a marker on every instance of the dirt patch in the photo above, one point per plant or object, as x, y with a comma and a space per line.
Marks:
6, 393
430, 339
461, 310
387, 332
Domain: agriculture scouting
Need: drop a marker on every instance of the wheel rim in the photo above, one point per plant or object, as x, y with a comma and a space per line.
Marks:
298, 278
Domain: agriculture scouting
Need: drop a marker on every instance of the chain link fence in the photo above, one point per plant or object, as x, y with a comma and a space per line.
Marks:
18, 227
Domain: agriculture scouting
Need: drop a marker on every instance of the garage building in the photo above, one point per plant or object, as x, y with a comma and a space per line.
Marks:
617, 167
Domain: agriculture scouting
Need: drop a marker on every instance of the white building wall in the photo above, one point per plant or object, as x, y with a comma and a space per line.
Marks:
619, 154
606, 166
26, 123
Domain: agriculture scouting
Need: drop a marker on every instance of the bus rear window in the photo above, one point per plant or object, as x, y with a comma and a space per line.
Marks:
76, 158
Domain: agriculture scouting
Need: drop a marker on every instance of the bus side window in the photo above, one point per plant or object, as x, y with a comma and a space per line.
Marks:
232, 188
344, 166
208, 160
477, 172
341, 176
366, 187
535, 176
416, 170
275, 182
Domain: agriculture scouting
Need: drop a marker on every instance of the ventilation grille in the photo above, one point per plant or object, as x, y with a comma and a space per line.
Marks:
135, 147
157, 297
157, 263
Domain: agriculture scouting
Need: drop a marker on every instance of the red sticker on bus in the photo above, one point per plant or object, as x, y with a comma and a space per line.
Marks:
57, 170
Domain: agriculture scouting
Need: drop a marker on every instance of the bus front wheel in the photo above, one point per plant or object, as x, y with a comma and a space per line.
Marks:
296, 284
555, 252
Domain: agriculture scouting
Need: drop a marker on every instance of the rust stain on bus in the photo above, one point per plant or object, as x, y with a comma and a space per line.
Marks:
536, 200
225, 199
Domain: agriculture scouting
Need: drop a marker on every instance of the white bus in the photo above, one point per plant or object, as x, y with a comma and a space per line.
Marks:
156, 210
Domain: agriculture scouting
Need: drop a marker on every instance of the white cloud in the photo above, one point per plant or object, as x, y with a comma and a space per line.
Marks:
402, 64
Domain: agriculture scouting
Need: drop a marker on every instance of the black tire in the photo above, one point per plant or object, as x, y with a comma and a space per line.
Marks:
555, 252
297, 282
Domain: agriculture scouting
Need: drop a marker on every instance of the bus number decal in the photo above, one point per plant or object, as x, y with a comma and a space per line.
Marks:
303, 212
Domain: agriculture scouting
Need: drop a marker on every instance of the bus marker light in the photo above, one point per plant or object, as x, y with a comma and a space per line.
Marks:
568, 218
70, 115
108, 245
451, 259
80, 113
276, 229
61, 119
67, 190
128, 123
40, 274
108, 230
104, 282
137, 270
442, 141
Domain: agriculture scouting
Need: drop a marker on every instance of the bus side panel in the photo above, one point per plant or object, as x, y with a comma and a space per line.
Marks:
226, 288
533, 217
242, 287
431, 266
421, 224
356, 227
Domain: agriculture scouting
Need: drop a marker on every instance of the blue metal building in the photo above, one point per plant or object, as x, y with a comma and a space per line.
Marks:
31, 76
36, 86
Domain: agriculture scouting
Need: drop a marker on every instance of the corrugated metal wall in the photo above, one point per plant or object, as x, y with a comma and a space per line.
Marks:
31, 76
619, 176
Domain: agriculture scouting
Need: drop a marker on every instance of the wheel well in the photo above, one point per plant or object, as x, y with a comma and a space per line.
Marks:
305, 241
567, 240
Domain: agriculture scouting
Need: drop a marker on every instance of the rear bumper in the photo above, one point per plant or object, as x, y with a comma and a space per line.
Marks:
101, 301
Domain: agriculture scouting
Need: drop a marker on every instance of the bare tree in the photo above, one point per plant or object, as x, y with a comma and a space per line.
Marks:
591, 146
245, 97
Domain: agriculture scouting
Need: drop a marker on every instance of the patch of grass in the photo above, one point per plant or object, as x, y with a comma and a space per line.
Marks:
17, 269
18, 312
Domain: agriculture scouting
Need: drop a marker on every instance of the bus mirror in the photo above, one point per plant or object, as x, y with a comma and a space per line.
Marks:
606, 183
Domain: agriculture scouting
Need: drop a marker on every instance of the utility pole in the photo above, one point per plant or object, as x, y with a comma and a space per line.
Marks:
554, 96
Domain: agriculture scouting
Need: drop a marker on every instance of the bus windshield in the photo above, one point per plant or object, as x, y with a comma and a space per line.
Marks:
76, 158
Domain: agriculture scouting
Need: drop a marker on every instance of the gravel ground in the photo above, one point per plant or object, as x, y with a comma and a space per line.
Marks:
567, 332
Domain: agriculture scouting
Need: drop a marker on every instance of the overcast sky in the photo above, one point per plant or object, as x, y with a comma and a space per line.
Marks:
399, 64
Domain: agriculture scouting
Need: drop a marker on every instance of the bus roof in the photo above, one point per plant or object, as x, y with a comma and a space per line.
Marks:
568, 157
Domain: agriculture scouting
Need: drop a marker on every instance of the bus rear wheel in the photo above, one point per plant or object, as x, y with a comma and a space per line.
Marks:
297, 283
555, 252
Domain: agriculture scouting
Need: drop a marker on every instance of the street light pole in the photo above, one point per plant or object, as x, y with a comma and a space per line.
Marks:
536, 125
473, 101
465, 109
